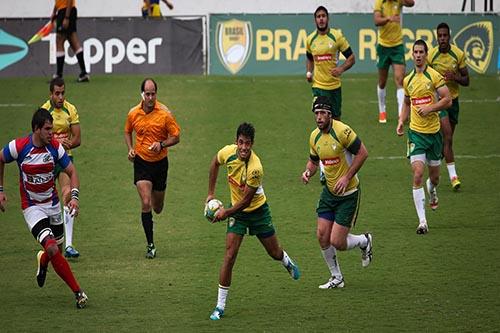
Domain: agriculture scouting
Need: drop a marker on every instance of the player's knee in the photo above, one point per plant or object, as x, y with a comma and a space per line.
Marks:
337, 243
158, 208
50, 246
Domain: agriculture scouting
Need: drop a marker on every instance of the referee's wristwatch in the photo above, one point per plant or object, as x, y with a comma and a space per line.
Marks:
163, 145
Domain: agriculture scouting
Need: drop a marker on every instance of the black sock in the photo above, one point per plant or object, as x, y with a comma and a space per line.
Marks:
147, 224
60, 65
81, 62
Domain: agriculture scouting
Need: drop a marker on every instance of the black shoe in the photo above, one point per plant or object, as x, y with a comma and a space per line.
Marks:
83, 78
41, 272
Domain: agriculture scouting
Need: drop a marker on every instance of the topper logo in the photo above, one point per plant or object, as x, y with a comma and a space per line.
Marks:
18, 46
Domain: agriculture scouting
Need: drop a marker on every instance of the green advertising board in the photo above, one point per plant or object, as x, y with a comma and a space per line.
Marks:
275, 44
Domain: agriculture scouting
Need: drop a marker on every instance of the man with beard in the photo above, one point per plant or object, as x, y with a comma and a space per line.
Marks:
449, 61
426, 93
343, 154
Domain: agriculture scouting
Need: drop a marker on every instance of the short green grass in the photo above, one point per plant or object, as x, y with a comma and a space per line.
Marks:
446, 281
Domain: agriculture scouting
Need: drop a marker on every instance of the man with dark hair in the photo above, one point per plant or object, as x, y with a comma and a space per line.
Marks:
322, 49
390, 49
426, 94
67, 131
36, 155
449, 61
155, 130
65, 14
334, 143
248, 210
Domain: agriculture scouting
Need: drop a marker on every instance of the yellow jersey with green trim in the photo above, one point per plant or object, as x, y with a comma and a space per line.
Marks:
389, 34
63, 119
453, 61
422, 88
325, 51
331, 149
241, 174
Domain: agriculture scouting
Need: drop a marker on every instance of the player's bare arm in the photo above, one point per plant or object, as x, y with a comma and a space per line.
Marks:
403, 117
357, 162
348, 63
311, 168
76, 137
73, 204
212, 178
443, 103
379, 19
223, 213
462, 77
309, 66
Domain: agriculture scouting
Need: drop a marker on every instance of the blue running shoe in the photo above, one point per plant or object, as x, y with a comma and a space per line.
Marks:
217, 314
293, 269
71, 252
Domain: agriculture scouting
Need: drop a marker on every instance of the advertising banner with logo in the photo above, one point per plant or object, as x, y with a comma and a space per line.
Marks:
276, 44
125, 45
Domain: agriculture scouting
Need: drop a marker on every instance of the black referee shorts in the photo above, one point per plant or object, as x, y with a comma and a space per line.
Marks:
155, 172
61, 13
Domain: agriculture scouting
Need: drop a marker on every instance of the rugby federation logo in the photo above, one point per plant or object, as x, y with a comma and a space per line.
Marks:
476, 40
233, 40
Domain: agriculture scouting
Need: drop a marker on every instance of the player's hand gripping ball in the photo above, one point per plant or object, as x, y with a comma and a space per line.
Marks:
211, 208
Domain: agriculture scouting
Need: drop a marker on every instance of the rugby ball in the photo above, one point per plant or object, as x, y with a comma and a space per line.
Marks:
211, 208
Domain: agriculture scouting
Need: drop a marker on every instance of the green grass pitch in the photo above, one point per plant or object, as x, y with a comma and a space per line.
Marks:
445, 281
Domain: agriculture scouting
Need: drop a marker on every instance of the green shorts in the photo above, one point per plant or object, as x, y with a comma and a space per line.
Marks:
451, 112
335, 97
341, 210
390, 55
430, 145
58, 169
257, 222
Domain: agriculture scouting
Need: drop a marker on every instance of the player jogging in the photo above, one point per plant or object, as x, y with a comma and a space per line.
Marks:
66, 130
449, 61
37, 155
387, 16
422, 87
334, 143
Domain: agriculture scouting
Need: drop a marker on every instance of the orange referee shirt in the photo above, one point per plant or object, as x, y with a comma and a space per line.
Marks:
60, 4
149, 128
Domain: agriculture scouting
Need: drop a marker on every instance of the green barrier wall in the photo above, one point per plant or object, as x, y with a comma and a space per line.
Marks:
269, 44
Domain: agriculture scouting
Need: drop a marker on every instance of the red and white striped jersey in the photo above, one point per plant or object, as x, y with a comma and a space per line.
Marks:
36, 169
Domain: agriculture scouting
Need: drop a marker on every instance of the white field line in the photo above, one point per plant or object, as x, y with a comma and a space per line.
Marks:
473, 157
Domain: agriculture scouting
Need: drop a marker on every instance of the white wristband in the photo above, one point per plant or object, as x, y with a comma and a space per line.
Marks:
309, 75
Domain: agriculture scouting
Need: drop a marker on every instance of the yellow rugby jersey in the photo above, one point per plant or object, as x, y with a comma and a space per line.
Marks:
241, 174
325, 51
390, 34
331, 149
421, 88
63, 119
453, 60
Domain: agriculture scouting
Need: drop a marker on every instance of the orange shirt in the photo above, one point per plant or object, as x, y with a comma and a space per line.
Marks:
149, 128
60, 4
